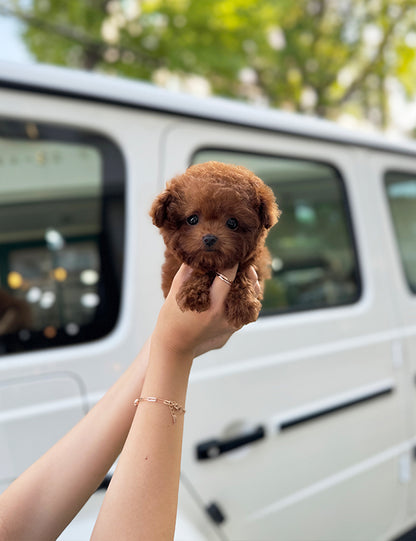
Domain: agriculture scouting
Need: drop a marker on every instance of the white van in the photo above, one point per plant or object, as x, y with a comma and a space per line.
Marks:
302, 428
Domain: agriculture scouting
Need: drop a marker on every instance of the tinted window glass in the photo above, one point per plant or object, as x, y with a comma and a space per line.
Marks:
314, 262
401, 193
61, 235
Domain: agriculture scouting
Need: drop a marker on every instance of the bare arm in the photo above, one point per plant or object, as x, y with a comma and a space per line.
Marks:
141, 501
46, 497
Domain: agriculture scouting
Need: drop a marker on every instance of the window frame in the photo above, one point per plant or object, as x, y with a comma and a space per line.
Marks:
113, 184
397, 171
345, 205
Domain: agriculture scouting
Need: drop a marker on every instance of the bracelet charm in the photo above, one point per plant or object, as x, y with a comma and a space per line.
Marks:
174, 408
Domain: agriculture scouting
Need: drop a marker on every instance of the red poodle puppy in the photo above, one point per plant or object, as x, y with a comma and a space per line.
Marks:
211, 217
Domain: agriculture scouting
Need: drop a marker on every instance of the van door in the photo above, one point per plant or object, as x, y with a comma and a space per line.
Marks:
294, 429
397, 177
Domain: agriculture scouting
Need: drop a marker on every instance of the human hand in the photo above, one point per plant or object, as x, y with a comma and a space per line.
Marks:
191, 333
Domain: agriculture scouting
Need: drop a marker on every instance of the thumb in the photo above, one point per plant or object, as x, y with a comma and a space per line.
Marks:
180, 277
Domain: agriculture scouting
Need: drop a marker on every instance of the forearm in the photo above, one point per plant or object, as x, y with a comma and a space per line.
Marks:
141, 501
45, 498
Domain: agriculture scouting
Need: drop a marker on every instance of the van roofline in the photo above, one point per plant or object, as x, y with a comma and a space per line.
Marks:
91, 86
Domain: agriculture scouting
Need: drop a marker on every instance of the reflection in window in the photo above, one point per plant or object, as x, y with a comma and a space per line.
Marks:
60, 260
313, 257
401, 193
60, 286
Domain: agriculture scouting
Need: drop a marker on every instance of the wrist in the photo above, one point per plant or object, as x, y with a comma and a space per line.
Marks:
170, 350
170, 367
167, 376
172, 363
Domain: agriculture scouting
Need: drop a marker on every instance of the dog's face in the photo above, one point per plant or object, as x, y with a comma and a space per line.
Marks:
214, 215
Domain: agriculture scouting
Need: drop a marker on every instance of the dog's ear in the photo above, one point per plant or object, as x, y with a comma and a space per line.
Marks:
269, 212
159, 210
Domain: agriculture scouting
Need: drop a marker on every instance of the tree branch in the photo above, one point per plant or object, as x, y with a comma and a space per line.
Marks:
369, 67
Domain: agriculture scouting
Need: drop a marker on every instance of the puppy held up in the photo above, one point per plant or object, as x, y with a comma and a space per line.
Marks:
212, 217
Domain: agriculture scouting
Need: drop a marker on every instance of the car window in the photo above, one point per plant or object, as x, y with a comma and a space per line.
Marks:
61, 235
314, 261
401, 194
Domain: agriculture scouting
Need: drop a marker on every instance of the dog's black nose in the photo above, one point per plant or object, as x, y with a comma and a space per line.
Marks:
209, 240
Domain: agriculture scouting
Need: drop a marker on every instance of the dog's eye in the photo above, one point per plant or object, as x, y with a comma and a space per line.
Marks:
192, 220
232, 223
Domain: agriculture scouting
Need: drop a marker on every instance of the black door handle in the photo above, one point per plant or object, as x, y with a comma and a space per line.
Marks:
213, 448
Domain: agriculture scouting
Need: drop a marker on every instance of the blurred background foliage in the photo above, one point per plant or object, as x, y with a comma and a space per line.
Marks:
322, 57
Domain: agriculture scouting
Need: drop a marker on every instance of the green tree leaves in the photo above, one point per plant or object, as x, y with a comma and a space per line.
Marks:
317, 56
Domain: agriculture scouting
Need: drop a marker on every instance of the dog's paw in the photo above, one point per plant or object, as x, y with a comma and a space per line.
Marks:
242, 313
241, 308
194, 296
196, 303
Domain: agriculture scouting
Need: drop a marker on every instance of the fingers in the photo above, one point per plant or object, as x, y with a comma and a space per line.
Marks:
221, 285
252, 274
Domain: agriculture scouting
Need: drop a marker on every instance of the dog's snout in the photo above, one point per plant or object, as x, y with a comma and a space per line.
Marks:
209, 240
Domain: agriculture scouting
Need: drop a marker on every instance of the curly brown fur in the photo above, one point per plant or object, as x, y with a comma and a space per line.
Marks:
196, 215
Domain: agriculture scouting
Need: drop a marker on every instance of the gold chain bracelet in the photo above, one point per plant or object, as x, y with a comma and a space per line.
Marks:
174, 408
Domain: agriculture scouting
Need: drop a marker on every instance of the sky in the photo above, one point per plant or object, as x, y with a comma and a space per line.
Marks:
11, 46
